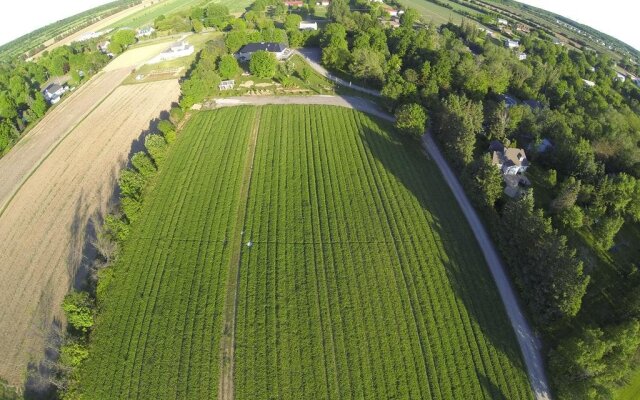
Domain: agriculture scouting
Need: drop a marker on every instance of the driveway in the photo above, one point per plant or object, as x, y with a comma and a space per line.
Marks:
529, 343
313, 56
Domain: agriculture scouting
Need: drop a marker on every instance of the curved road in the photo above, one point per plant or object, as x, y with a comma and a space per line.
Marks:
529, 343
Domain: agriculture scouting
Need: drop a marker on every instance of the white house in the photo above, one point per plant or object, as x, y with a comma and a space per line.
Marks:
53, 92
522, 56
510, 160
620, 77
589, 83
177, 50
511, 44
324, 3
502, 21
280, 50
308, 26
144, 32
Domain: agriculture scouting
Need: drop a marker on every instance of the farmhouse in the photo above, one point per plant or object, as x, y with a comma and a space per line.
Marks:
510, 160
308, 26
280, 50
53, 92
177, 50
144, 32
511, 44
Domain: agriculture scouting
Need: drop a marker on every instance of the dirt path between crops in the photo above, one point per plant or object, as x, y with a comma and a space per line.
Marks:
228, 341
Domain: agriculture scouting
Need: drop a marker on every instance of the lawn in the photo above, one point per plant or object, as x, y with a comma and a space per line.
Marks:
359, 277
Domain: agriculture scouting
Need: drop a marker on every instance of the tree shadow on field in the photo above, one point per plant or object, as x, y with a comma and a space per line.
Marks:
82, 258
466, 270
489, 387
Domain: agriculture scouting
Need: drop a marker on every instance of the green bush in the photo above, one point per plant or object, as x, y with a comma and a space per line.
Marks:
77, 307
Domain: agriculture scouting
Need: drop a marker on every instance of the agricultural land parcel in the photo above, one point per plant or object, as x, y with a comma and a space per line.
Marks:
149, 14
98, 26
81, 145
361, 281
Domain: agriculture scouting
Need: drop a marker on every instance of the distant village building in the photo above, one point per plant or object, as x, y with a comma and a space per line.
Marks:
324, 3
556, 41
510, 160
53, 92
520, 27
280, 50
308, 26
177, 50
294, 3
620, 77
512, 44
227, 85
589, 83
144, 32
502, 21
522, 56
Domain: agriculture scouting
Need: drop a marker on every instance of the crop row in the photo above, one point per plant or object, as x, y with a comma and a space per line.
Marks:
363, 280
159, 328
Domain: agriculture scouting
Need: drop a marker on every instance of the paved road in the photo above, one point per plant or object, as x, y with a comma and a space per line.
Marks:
529, 343
356, 103
313, 56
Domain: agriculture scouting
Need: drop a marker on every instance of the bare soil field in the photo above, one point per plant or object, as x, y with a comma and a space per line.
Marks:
98, 26
16, 165
45, 225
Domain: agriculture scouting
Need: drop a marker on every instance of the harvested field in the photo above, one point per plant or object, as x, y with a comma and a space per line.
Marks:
16, 165
98, 26
44, 227
138, 56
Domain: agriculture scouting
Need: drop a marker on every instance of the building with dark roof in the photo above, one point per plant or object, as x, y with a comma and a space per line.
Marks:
280, 50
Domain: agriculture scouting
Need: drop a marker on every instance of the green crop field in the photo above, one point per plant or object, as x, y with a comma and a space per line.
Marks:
362, 279
432, 12
148, 15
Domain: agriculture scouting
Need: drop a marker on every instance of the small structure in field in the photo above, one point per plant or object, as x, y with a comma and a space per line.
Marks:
227, 85
280, 50
308, 26
177, 50
522, 56
53, 92
620, 77
511, 44
589, 83
502, 21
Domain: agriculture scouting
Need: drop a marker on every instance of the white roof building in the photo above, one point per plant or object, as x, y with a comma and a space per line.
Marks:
143, 32
522, 56
177, 50
308, 26
620, 77
502, 21
589, 83
512, 44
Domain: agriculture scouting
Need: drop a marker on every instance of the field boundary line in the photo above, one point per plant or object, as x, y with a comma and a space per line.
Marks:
13, 194
226, 390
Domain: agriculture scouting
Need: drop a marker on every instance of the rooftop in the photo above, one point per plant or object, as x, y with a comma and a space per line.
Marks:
267, 46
